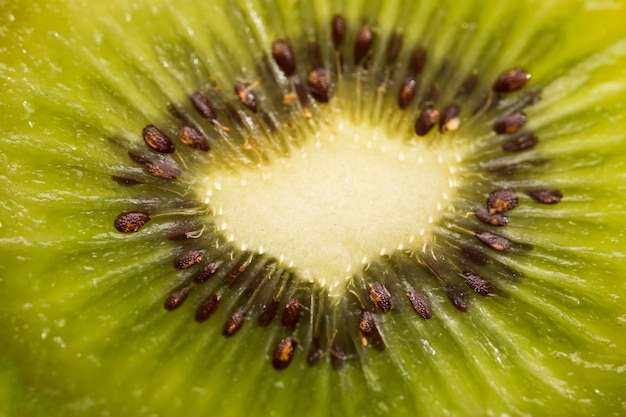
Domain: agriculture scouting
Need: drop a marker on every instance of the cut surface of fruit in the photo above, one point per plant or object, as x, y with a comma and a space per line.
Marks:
135, 274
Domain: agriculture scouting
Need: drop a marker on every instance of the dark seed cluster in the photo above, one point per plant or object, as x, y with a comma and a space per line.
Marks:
240, 288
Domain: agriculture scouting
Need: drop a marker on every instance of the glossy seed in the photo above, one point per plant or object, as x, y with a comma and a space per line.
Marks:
319, 85
394, 46
380, 296
450, 118
420, 304
235, 273
494, 241
207, 307
284, 57
164, 168
314, 353
176, 298
469, 85
547, 196
366, 323
283, 352
477, 283
337, 355
456, 298
268, 312
496, 219
291, 313
511, 80
203, 106
193, 138
427, 119
246, 96
520, 143
338, 28
417, 62
407, 93
234, 323
362, 44
188, 259
500, 201
183, 230
131, 222
207, 272
509, 122
157, 140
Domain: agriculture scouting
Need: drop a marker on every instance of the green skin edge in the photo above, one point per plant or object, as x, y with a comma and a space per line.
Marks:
82, 328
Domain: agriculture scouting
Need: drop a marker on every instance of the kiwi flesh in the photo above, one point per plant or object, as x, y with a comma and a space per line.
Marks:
88, 329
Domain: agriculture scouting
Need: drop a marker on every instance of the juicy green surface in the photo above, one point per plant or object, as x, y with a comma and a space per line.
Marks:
81, 320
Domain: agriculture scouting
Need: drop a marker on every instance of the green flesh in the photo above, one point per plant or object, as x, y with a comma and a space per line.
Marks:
83, 326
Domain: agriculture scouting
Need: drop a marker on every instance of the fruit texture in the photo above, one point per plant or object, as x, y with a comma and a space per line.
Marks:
83, 326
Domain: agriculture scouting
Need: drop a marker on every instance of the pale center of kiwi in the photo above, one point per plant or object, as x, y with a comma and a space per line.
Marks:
346, 197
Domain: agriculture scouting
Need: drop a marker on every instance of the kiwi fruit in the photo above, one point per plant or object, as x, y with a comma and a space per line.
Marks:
310, 208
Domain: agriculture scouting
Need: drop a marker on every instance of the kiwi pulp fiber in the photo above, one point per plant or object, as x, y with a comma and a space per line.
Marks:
83, 296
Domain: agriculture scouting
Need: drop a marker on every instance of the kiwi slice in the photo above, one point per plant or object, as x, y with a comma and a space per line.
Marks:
316, 209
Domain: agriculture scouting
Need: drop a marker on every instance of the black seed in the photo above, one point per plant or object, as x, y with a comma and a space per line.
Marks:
407, 93
457, 298
509, 122
269, 311
337, 355
246, 96
366, 323
125, 181
475, 255
207, 307
426, 120
176, 298
234, 323
546, 196
394, 46
283, 55
207, 272
192, 137
319, 85
380, 296
338, 27
496, 219
520, 143
188, 259
500, 201
362, 44
131, 222
511, 80
469, 85
315, 55
283, 352
157, 140
157, 165
477, 283
314, 352
203, 106
449, 118
183, 230
291, 313
163, 168
417, 62
493, 241
236, 273
420, 304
